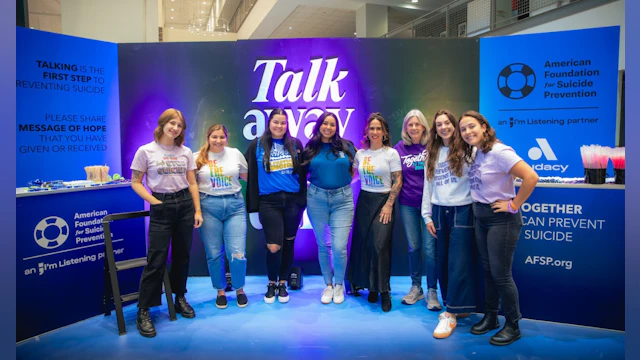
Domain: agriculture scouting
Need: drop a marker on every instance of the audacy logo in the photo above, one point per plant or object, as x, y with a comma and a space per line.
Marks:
535, 153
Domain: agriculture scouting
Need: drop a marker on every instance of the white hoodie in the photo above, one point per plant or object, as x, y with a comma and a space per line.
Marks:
445, 189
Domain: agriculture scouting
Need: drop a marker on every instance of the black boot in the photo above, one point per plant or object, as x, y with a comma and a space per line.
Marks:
509, 333
183, 307
386, 301
373, 296
144, 323
489, 322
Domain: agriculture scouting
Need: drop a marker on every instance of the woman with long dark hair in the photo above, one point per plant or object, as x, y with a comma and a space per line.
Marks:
277, 190
498, 221
329, 159
381, 180
224, 231
446, 208
174, 212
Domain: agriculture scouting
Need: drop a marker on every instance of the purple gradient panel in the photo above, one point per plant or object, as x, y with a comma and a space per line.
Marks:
304, 77
196, 78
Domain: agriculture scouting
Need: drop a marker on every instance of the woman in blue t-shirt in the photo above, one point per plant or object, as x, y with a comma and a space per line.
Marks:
329, 158
277, 191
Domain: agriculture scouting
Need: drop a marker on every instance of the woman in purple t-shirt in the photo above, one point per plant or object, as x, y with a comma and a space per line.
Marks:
174, 212
412, 151
498, 223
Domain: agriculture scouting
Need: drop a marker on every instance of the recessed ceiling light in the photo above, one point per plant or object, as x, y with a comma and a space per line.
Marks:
414, 1
202, 12
172, 18
171, 9
172, 27
290, 28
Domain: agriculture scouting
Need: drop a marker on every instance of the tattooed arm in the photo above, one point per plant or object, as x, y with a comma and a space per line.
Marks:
136, 185
396, 185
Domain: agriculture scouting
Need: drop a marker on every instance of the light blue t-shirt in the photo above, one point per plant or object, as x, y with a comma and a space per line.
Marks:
328, 171
281, 177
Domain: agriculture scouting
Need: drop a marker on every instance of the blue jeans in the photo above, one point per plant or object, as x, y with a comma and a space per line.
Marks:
419, 240
331, 216
497, 236
224, 231
455, 244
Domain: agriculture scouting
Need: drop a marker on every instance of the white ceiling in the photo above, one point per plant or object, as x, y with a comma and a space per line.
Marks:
313, 21
177, 13
310, 18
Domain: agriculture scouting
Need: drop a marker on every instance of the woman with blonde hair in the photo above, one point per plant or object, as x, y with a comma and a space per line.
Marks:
224, 231
174, 212
412, 151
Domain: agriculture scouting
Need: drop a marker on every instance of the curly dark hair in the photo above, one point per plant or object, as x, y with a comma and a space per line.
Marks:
489, 138
386, 136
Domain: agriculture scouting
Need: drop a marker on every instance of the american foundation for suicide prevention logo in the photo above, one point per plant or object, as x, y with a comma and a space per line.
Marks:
51, 232
516, 81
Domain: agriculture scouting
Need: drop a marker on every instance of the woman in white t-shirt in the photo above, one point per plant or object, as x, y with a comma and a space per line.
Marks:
224, 231
174, 212
380, 173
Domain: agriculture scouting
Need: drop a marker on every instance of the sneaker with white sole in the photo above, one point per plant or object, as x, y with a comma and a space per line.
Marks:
414, 295
327, 295
270, 296
432, 300
338, 294
283, 294
445, 326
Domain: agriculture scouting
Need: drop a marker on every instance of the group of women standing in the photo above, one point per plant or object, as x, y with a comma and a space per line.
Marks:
454, 183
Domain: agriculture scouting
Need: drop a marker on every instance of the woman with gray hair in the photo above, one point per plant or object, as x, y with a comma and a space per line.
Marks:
412, 150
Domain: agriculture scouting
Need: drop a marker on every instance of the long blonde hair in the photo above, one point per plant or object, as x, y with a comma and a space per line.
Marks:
203, 156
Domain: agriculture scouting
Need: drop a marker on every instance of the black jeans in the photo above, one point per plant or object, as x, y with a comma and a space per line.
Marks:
497, 236
170, 222
280, 217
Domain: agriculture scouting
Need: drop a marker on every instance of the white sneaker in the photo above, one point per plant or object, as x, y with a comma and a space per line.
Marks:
445, 326
432, 300
327, 295
338, 294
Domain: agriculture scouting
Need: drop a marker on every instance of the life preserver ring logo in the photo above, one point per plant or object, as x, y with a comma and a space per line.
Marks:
51, 232
516, 81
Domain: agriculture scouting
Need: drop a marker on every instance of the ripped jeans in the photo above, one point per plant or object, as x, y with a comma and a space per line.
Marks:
224, 231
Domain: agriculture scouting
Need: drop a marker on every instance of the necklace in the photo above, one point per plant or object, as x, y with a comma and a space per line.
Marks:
162, 146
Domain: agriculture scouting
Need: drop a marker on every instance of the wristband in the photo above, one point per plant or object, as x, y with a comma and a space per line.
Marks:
511, 210
199, 212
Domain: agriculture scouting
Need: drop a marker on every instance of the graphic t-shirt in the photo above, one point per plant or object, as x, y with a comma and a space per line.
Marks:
375, 168
281, 177
413, 159
165, 167
489, 174
445, 188
328, 171
220, 175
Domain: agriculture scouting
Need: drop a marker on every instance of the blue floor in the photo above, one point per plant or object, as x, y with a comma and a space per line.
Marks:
306, 329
